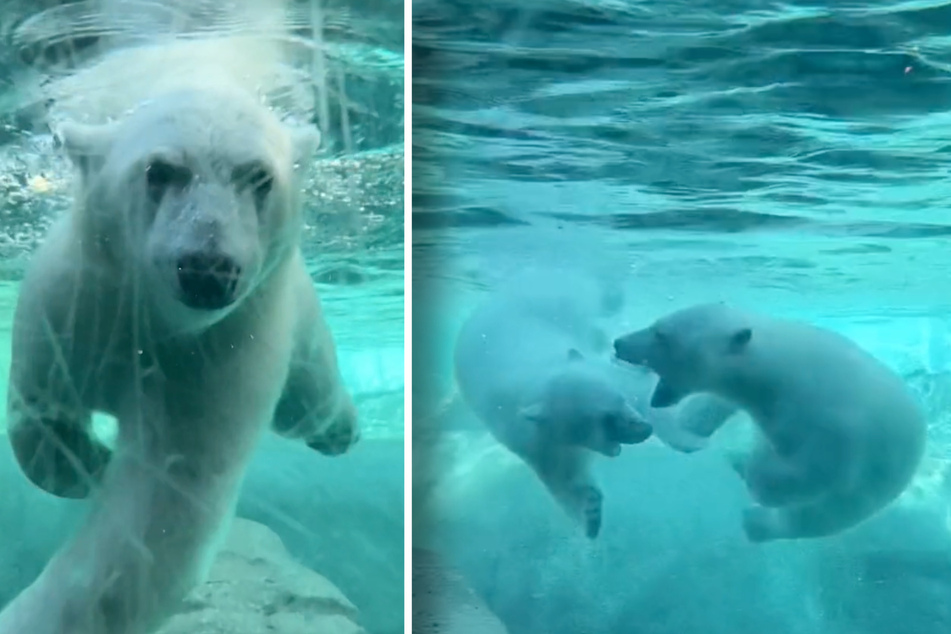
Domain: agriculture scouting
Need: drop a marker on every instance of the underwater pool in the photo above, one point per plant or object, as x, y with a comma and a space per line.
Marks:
788, 158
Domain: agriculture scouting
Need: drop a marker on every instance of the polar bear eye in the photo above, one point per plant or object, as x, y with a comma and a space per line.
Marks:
160, 175
255, 177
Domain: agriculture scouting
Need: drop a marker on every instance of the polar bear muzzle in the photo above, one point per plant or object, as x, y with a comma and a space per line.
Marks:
207, 281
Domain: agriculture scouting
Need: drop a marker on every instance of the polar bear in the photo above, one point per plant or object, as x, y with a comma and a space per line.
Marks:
841, 434
685, 427
525, 365
173, 296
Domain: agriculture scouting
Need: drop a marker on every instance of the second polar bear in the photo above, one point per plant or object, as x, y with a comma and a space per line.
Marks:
173, 296
841, 434
525, 364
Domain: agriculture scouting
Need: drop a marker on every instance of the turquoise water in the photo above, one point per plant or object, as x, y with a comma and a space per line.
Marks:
786, 157
340, 517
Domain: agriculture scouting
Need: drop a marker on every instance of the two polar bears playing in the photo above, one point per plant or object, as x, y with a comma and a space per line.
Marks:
173, 296
529, 362
839, 434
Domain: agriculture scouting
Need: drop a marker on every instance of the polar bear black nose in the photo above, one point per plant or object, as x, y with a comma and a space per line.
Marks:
208, 282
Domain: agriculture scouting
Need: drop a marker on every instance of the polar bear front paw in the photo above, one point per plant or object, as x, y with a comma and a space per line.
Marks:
59, 456
340, 435
591, 502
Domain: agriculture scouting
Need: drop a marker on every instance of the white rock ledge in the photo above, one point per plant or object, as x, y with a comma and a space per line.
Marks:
256, 586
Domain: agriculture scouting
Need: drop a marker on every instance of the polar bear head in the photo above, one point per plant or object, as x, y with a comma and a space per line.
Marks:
192, 199
579, 405
696, 349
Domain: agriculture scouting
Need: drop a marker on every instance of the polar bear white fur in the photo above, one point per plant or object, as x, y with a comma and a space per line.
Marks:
174, 297
527, 364
840, 434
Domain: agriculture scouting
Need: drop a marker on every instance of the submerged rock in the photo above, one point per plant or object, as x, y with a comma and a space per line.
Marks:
256, 586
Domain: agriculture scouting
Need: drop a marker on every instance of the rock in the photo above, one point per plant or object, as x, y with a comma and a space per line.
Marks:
342, 516
444, 604
255, 586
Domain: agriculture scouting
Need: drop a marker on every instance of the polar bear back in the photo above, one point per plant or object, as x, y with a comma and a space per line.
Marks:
824, 375
800, 381
503, 352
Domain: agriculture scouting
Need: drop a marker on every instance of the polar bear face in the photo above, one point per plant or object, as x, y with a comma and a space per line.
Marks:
580, 406
691, 350
193, 197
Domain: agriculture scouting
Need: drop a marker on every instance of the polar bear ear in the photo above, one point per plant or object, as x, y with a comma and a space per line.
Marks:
574, 355
304, 143
739, 339
85, 145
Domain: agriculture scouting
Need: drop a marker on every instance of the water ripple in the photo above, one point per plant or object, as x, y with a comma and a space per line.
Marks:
827, 125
